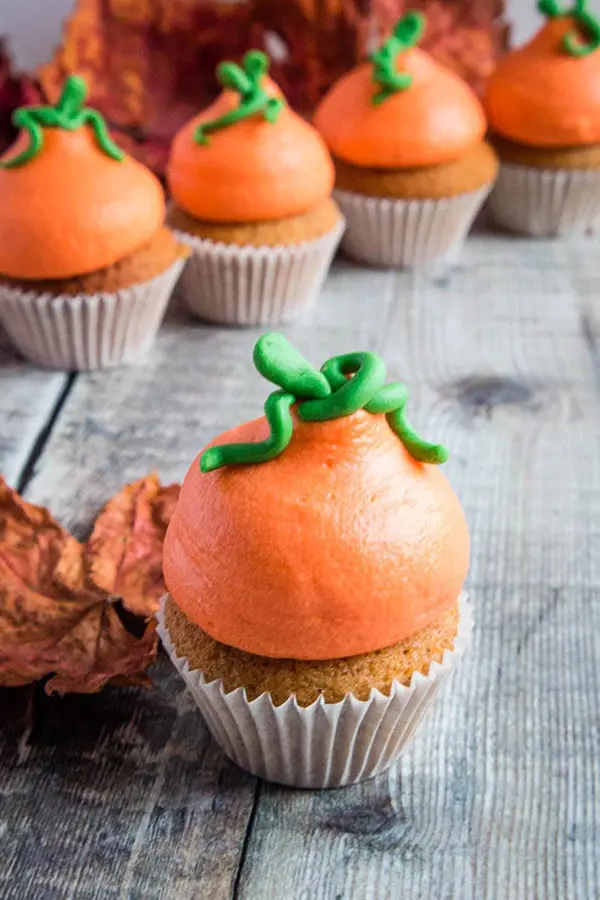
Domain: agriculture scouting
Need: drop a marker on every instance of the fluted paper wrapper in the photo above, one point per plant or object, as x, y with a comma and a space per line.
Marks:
325, 744
84, 332
407, 233
236, 285
545, 202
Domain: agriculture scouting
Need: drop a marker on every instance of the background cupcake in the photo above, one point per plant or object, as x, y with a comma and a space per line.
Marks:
251, 183
412, 168
86, 264
543, 103
315, 562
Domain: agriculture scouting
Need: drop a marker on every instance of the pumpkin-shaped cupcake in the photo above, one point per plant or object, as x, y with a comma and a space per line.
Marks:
543, 104
315, 563
412, 166
251, 183
86, 263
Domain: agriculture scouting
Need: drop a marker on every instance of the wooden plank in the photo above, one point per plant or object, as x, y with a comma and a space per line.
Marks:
117, 795
498, 796
123, 795
28, 398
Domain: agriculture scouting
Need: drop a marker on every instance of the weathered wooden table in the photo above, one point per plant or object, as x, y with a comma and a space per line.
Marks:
124, 795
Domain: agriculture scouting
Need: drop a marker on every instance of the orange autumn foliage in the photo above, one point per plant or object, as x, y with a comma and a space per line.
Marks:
80, 613
542, 96
435, 120
251, 171
341, 545
72, 209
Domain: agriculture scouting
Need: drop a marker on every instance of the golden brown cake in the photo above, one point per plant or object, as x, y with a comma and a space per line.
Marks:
307, 226
331, 679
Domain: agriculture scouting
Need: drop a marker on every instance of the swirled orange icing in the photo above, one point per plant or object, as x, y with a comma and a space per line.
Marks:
251, 171
72, 209
435, 120
341, 545
542, 96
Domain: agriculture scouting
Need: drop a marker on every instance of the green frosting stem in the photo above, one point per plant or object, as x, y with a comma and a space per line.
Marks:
421, 450
407, 33
280, 363
69, 113
575, 42
277, 414
349, 394
344, 385
248, 82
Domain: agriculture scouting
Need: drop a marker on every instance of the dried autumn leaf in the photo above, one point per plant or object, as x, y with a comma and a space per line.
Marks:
15, 90
125, 548
65, 608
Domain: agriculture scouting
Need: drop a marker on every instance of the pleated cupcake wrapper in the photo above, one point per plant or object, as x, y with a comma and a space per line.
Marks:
237, 285
407, 233
545, 202
325, 744
85, 332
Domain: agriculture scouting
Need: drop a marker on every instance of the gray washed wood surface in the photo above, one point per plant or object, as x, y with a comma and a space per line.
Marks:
498, 798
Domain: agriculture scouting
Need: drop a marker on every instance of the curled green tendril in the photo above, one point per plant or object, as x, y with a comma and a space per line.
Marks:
277, 414
407, 33
575, 42
70, 114
344, 385
247, 80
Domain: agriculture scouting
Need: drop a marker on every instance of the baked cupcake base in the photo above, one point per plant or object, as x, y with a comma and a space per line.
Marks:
407, 233
257, 273
94, 321
322, 744
545, 202
82, 333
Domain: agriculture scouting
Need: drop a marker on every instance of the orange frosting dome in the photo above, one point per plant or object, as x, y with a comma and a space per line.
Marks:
251, 171
542, 96
341, 545
435, 120
72, 209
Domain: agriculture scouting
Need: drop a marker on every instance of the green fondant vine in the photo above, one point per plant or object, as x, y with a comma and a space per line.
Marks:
344, 385
70, 114
586, 39
407, 33
247, 80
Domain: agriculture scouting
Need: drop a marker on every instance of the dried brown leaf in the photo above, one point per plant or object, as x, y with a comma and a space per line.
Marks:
80, 613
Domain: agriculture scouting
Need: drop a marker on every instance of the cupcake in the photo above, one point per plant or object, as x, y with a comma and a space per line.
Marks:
543, 104
251, 183
86, 263
412, 168
315, 564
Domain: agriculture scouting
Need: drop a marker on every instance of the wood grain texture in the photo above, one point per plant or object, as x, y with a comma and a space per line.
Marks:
498, 798
28, 398
499, 795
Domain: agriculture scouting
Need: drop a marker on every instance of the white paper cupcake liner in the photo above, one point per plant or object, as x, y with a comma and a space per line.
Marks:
407, 233
84, 332
325, 744
545, 202
237, 285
